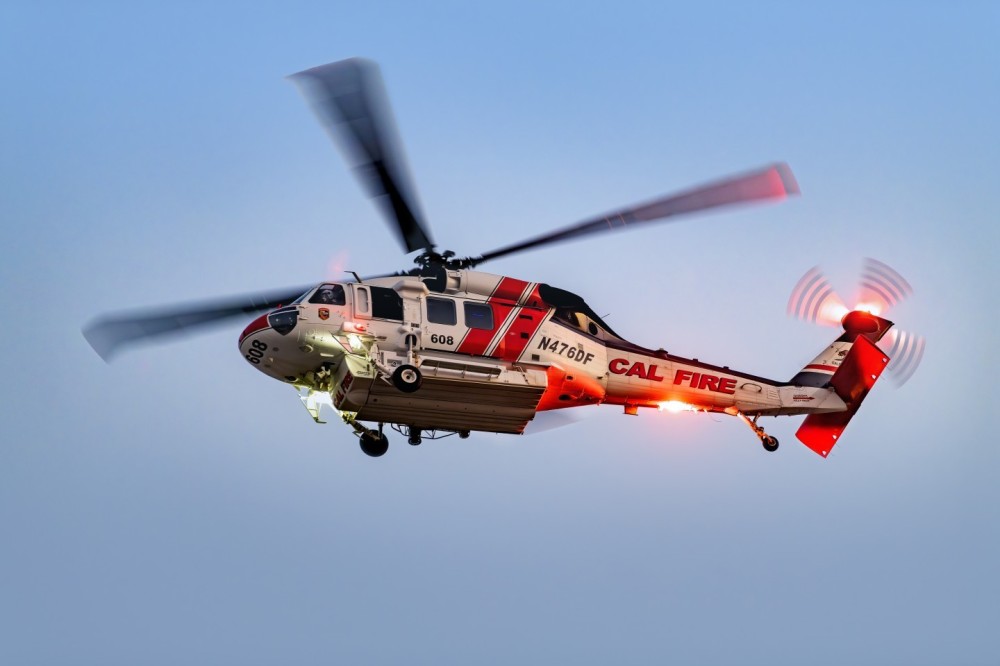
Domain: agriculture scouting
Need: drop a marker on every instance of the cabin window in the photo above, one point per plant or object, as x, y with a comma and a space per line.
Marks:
329, 294
441, 311
386, 304
479, 315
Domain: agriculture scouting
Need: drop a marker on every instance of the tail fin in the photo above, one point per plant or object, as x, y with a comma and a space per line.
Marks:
850, 366
857, 324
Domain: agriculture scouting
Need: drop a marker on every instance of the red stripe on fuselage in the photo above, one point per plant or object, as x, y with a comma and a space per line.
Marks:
504, 340
828, 368
534, 299
477, 340
511, 342
526, 322
509, 289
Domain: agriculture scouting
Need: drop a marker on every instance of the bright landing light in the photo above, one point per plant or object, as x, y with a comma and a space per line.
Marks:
676, 406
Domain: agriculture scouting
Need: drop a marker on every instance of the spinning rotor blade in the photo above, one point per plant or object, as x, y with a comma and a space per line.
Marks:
773, 182
349, 98
108, 334
815, 301
905, 351
881, 288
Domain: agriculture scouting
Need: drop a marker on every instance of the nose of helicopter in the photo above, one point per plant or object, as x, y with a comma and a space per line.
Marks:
261, 340
258, 324
257, 342
291, 341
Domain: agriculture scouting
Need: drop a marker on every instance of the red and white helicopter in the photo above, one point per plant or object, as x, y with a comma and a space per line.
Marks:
444, 349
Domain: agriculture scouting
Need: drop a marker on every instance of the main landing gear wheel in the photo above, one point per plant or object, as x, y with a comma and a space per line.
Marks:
770, 443
374, 444
407, 378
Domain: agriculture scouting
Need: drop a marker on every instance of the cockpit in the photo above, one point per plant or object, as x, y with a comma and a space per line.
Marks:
329, 294
574, 311
577, 320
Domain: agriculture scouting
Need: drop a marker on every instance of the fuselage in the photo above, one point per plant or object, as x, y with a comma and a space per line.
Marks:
494, 350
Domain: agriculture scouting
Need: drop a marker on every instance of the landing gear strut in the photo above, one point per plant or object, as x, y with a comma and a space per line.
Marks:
407, 377
769, 442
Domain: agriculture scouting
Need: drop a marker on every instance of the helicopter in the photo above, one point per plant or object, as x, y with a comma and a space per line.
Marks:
444, 349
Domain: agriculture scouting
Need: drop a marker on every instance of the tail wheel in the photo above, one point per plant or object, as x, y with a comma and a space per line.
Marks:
407, 378
374, 444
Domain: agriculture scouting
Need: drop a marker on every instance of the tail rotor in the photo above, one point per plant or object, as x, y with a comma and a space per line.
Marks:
905, 350
880, 289
815, 301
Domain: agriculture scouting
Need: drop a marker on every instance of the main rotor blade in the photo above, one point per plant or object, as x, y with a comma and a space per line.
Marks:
773, 182
349, 98
108, 334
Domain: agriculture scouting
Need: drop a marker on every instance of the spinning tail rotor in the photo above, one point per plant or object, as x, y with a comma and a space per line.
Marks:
880, 289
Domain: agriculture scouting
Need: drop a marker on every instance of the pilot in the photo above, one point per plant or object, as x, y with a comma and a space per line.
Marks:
332, 294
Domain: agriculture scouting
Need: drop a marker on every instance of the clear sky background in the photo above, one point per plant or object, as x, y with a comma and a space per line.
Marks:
178, 507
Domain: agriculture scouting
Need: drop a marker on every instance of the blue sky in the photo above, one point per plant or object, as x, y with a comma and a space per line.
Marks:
177, 506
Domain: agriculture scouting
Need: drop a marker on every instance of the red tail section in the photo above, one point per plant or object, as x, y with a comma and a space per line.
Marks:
852, 381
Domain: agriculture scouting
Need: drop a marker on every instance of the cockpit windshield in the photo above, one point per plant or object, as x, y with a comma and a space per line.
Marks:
578, 320
573, 310
329, 294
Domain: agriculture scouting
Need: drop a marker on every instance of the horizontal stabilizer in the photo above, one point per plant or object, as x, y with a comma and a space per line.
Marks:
852, 381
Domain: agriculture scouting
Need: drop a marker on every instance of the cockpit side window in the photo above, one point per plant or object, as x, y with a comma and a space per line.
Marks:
386, 304
329, 294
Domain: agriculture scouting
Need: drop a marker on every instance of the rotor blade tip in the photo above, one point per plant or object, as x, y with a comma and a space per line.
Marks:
787, 179
104, 347
320, 71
